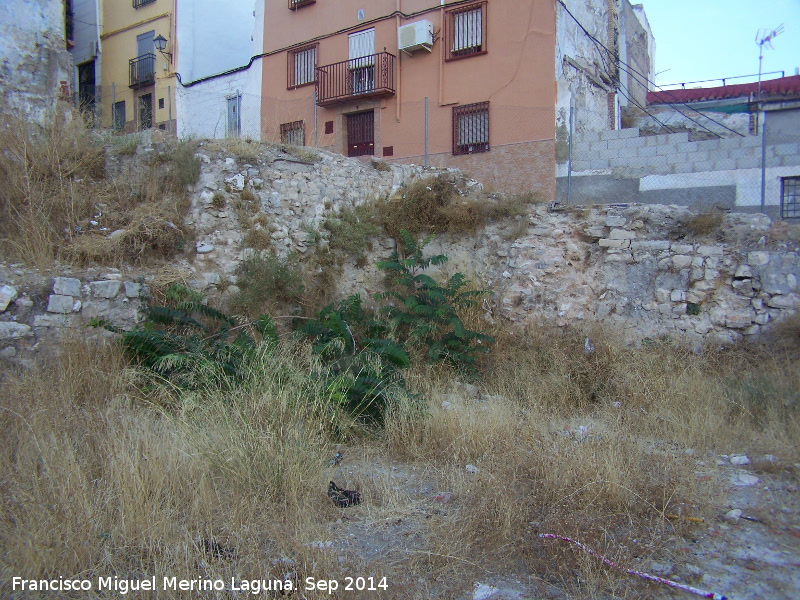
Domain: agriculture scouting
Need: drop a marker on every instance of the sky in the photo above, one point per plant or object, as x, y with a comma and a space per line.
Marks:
707, 39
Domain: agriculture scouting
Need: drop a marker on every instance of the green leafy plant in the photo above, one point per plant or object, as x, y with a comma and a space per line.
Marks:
189, 343
364, 364
424, 313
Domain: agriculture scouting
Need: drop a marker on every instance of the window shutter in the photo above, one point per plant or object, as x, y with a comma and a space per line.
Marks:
305, 63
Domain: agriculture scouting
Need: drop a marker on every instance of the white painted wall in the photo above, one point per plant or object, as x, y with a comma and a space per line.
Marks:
215, 36
33, 59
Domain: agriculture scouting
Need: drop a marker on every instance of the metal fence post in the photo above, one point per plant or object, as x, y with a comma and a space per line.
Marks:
113, 107
315, 118
169, 103
763, 159
569, 160
426, 131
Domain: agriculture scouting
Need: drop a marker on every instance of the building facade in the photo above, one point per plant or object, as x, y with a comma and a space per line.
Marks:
219, 83
138, 81
83, 19
464, 84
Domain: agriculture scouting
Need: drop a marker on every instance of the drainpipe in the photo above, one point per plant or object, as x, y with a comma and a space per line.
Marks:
399, 62
441, 53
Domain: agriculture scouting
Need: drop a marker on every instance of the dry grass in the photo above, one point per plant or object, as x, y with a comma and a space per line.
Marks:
704, 223
57, 201
434, 205
99, 481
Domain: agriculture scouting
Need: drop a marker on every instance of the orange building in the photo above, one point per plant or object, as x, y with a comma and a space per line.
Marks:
464, 84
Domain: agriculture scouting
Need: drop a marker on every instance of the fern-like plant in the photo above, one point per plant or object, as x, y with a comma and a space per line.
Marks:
424, 313
190, 343
363, 361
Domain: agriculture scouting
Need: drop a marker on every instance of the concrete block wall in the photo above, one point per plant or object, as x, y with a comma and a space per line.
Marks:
628, 154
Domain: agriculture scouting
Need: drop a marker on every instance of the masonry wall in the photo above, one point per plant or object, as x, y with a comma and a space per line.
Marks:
622, 166
35, 67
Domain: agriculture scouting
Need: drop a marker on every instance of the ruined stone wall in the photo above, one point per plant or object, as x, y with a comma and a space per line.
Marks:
35, 67
635, 268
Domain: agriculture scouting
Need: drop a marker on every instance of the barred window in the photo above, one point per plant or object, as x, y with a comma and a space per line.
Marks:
465, 31
302, 66
471, 128
790, 197
293, 133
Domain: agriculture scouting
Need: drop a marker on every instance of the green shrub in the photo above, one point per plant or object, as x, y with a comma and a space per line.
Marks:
425, 314
264, 279
351, 229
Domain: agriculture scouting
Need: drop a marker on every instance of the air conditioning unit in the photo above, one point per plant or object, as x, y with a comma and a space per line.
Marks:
415, 36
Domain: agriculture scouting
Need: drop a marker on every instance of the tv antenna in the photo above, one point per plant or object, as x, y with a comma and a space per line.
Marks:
766, 40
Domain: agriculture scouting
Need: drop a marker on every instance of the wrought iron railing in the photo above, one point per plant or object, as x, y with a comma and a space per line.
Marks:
139, 3
293, 4
357, 78
142, 70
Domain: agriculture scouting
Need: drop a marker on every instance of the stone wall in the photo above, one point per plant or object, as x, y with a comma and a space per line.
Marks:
635, 268
35, 67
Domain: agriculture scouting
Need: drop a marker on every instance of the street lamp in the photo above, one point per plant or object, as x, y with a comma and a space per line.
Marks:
161, 44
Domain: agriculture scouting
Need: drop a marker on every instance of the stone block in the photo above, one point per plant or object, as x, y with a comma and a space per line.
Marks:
681, 261
695, 296
105, 289
54, 320
67, 286
788, 149
615, 221
725, 164
650, 245
9, 330
702, 166
758, 259
740, 319
743, 271
7, 295
608, 243
678, 248
704, 250
662, 296
677, 296
621, 234
135, 290
615, 134
710, 274
784, 301
57, 303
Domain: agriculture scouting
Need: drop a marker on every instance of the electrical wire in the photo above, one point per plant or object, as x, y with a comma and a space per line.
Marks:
602, 46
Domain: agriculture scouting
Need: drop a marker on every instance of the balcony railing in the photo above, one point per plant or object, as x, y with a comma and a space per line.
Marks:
139, 3
355, 79
142, 70
295, 4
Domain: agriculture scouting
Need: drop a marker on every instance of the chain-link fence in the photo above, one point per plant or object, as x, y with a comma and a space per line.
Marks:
668, 155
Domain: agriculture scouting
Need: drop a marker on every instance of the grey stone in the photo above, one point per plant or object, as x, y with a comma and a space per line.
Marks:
54, 320
784, 301
105, 289
204, 247
608, 243
740, 319
680, 261
10, 330
621, 234
8, 352
67, 286
758, 259
615, 221
236, 182
682, 248
7, 295
57, 303
744, 271
135, 290
677, 296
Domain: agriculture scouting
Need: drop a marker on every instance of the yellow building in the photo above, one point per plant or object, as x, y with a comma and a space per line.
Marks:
138, 81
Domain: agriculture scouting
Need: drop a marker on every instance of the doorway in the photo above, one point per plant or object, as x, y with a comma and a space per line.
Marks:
145, 111
361, 133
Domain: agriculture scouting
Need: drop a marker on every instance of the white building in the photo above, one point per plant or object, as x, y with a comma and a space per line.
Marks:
219, 86
83, 19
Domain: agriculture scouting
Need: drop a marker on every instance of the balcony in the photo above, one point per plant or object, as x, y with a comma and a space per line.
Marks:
356, 79
142, 70
295, 4
140, 3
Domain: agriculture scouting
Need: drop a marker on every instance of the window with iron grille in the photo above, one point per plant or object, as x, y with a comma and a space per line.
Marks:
302, 67
295, 4
471, 128
790, 197
293, 133
465, 31
140, 3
